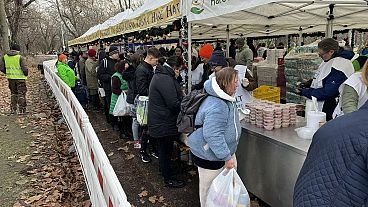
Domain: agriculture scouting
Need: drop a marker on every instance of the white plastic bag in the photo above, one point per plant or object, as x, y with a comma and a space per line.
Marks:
227, 190
122, 108
142, 110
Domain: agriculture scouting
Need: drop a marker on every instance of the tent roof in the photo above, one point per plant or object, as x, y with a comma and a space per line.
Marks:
280, 17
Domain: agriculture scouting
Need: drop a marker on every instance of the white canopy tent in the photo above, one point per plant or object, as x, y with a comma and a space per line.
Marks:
230, 18
146, 8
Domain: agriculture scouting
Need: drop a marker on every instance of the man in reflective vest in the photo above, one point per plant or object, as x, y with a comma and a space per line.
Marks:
15, 68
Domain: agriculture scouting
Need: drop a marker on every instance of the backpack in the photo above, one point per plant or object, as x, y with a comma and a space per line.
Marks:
188, 110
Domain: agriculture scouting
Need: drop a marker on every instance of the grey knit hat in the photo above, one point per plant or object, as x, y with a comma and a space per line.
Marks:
328, 44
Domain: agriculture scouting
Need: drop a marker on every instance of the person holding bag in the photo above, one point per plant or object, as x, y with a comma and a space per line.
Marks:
163, 108
214, 143
119, 86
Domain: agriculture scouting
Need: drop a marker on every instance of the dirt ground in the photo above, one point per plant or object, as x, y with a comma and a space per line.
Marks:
13, 142
35, 168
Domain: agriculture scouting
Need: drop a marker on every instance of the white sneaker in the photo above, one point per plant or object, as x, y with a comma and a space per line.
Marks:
137, 144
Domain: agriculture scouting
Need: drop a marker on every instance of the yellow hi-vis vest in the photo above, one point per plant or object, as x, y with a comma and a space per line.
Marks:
13, 68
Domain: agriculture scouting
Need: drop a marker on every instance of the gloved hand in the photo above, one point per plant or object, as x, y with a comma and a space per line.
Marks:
245, 82
306, 84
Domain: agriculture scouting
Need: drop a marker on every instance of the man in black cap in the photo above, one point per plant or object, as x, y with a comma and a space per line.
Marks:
16, 70
105, 71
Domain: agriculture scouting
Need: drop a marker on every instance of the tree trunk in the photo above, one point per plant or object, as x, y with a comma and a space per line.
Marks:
4, 26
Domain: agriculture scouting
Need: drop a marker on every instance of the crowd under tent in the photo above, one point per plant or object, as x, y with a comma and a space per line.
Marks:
235, 18
270, 165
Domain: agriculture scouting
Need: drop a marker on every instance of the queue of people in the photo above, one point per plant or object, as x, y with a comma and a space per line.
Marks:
159, 76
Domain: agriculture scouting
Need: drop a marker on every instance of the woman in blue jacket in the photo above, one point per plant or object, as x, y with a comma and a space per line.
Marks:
214, 144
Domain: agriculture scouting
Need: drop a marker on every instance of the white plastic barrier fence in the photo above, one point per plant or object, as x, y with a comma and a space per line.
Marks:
103, 185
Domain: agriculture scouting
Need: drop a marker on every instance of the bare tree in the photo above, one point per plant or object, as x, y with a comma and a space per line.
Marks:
4, 27
14, 10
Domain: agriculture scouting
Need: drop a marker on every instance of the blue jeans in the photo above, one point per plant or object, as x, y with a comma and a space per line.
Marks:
135, 130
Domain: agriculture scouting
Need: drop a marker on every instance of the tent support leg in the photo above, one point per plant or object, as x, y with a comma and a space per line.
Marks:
300, 39
227, 41
189, 57
330, 18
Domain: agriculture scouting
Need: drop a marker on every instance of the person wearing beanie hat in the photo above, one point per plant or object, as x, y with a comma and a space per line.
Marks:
65, 72
62, 58
113, 50
244, 55
81, 66
16, 71
15, 47
217, 61
203, 70
206, 51
104, 73
332, 72
91, 79
91, 52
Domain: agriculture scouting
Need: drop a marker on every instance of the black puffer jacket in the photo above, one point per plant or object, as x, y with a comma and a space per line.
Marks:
105, 70
129, 75
143, 77
164, 103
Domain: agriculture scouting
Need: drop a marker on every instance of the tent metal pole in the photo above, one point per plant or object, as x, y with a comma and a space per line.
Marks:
300, 39
189, 57
180, 38
227, 41
350, 37
353, 39
330, 18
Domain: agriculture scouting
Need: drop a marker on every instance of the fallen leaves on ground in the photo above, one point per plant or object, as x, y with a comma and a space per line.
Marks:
143, 194
53, 177
192, 172
125, 148
129, 157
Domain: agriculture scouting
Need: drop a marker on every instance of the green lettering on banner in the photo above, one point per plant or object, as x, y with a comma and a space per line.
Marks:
216, 2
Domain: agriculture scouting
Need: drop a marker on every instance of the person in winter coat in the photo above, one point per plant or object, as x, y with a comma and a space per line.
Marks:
353, 93
163, 108
216, 63
81, 67
118, 86
330, 75
105, 70
65, 72
16, 71
244, 55
232, 49
91, 78
129, 75
335, 171
213, 145
203, 69
143, 77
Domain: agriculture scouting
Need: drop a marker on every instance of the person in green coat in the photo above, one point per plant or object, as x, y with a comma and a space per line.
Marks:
65, 72
118, 86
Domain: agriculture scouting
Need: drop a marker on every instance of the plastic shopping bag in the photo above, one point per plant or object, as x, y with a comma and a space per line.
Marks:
122, 108
142, 110
227, 190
